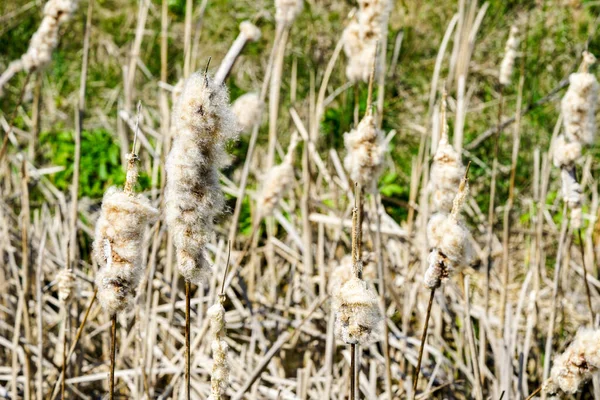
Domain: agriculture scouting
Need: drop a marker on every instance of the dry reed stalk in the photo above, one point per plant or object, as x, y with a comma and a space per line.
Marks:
512, 47
555, 288
248, 33
113, 345
251, 146
43, 42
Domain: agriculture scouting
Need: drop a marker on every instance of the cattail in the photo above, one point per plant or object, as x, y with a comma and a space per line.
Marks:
565, 153
118, 242
572, 195
220, 371
66, 283
361, 37
286, 11
448, 240
342, 272
365, 152
579, 104
248, 32
202, 124
248, 110
278, 181
358, 317
447, 169
576, 366
510, 54
44, 40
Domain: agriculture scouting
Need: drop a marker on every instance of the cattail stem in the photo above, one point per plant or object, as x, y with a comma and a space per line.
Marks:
422, 347
352, 371
76, 339
187, 340
585, 281
532, 395
64, 360
113, 345
491, 209
556, 285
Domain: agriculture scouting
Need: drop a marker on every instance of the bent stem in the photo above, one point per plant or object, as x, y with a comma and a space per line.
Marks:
423, 337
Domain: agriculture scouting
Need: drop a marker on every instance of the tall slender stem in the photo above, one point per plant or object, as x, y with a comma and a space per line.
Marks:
587, 284
113, 345
187, 340
352, 371
422, 347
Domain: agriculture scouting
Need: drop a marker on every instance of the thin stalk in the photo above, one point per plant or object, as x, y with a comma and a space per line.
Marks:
532, 395
187, 340
64, 360
352, 370
113, 345
556, 285
77, 336
423, 337
491, 210
587, 284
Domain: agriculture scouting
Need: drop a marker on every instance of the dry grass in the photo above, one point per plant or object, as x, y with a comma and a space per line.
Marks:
490, 334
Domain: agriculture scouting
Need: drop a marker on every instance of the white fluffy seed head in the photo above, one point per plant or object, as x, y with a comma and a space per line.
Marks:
510, 54
445, 174
365, 152
579, 104
286, 11
576, 366
248, 110
278, 181
342, 272
45, 39
571, 189
565, 153
220, 371
202, 124
357, 314
250, 30
448, 240
117, 247
361, 36
66, 283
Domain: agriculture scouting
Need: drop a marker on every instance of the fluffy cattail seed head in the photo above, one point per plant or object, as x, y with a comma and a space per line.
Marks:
248, 110
576, 366
357, 314
510, 54
446, 170
342, 272
220, 370
365, 152
572, 195
278, 181
250, 30
565, 153
66, 283
361, 36
286, 11
202, 124
45, 39
448, 240
579, 104
117, 247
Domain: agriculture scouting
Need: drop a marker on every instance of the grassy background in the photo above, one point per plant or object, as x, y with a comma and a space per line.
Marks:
557, 34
